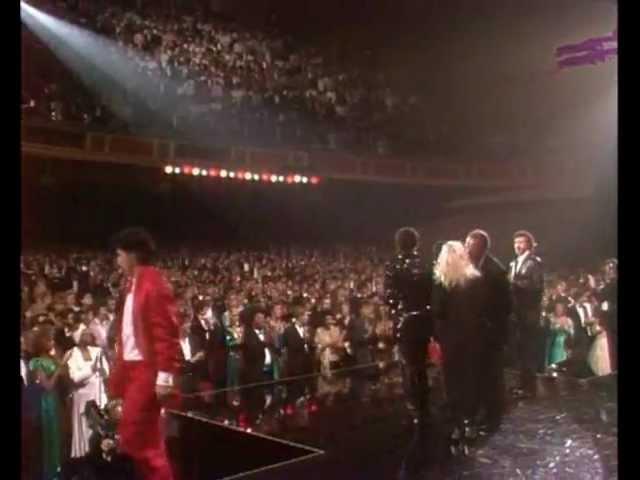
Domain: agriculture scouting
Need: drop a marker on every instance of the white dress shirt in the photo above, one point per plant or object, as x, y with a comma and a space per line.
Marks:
267, 353
130, 351
520, 260
23, 370
584, 310
300, 330
186, 348
518, 263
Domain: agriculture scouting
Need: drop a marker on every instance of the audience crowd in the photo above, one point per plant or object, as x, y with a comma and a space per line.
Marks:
235, 83
251, 317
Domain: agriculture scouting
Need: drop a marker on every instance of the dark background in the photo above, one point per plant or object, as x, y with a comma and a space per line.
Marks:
80, 204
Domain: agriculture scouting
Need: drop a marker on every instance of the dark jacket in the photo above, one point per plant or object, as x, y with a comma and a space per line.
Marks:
253, 356
407, 284
298, 352
527, 285
498, 303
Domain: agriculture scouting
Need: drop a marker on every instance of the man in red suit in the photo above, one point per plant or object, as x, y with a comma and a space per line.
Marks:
147, 354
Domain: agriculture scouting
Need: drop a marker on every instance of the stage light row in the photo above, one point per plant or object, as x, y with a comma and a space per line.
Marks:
240, 175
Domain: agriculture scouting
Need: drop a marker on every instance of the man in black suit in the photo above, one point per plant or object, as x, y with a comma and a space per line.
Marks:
297, 344
298, 351
257, 359
497, 308
527, 288
194, 367
581, 314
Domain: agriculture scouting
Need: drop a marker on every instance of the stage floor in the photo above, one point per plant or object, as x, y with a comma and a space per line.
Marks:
354, 425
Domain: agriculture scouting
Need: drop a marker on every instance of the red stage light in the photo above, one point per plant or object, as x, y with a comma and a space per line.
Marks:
289, 179
265, 177
315, 180
240, 174
187, 169
289, 410
213, 172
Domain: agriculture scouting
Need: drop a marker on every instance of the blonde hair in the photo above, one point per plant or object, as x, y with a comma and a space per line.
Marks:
453, 266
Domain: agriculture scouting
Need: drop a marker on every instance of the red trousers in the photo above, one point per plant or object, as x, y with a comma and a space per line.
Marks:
140, 428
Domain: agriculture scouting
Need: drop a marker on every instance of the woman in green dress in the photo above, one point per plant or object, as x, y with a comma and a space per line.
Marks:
45, 371
561, 328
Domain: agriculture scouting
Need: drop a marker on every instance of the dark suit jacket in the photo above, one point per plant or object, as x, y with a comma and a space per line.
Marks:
213, 343
527, 286
497, 306
196, 344
253, 356
299, 359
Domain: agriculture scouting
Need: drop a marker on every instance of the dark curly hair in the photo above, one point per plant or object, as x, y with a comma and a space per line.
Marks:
135, 240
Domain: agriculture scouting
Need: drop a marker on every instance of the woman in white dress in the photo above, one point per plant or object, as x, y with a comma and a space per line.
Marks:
598, 358
88, 369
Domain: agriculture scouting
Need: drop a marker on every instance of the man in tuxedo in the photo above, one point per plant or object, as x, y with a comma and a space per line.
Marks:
257, 364
297, 344
581, 315
527, 288
497, 308
257, 359
208, 333
148, 354
298, 350
194, 367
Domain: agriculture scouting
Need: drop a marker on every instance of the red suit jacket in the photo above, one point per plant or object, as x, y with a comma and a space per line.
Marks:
156, 327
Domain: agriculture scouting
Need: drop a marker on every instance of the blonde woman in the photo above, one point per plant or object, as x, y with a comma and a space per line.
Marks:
459, 299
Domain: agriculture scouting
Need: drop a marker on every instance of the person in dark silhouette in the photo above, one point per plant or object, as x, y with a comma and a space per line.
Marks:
496, 311
408, 292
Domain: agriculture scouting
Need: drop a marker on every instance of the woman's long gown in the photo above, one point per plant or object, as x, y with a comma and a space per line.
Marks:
598, 358
557, 345
89, 385
460, 326
49, 419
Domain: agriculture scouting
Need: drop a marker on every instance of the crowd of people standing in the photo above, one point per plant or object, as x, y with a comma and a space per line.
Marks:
230, 81
251, 317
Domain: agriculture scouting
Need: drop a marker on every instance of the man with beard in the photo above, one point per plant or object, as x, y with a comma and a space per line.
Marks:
527, 288
496, 310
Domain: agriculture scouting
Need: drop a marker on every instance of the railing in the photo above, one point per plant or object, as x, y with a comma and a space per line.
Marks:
56, 141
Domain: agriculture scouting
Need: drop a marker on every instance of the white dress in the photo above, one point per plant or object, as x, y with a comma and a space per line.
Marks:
598, 357
88, 385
